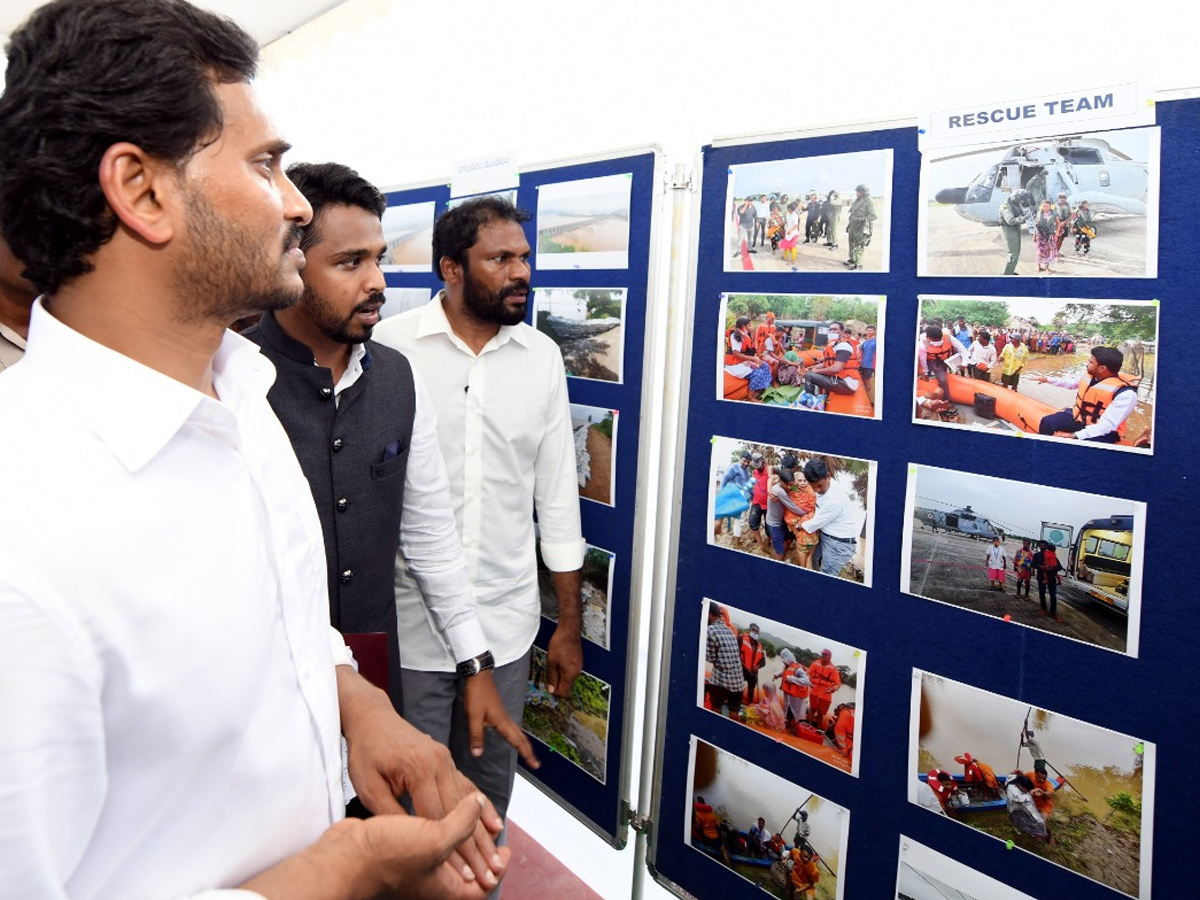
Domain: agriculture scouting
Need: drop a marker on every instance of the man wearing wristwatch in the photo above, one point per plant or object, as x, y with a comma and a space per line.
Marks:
500, 391
363, 427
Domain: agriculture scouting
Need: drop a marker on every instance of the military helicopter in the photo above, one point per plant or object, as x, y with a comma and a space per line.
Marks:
960, 521
1086, 168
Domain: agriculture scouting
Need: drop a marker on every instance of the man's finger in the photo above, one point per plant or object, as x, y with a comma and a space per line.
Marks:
458, 825
511, 732
376, 795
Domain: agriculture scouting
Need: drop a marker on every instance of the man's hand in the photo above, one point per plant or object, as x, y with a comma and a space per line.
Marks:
388, 757
564, 656
388, 855
486, 710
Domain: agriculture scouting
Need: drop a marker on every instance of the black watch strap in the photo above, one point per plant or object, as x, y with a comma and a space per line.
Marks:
476, 664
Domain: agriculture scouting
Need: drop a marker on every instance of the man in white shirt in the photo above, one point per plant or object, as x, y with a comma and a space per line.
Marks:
500, 392
170, 689
363, 427
838, 518
981, 358
1104, 400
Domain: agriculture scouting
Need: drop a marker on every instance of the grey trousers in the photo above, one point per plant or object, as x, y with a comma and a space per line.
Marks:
433, 702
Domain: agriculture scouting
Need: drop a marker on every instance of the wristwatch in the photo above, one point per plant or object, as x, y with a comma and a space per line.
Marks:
476, 664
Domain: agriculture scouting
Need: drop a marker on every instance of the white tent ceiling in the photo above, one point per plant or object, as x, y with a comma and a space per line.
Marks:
266, 20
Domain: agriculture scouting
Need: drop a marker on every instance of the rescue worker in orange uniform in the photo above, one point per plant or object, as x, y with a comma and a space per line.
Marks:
826, 679
933, 350
1104, 398
1043, 798
753, 659
705, 827
805, 874
943, 786
843, 730
795, 684
975, 772
766, 344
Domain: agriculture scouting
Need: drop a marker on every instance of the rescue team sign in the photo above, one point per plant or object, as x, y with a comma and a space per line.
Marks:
1081, 110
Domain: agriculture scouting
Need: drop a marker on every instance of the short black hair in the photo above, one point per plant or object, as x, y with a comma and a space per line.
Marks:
1109, 357
332, 184
815, 470
84, 75
934, 333
456, 231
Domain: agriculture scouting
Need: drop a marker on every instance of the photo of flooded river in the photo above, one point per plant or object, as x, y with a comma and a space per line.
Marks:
1098, 812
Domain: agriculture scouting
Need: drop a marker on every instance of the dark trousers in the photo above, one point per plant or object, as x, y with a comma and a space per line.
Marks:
1052, 584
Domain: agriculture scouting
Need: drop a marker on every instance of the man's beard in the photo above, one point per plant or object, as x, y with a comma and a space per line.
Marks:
489, 306
328, 320
225, 274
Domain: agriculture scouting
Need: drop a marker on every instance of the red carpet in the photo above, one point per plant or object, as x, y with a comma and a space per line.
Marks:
534, 874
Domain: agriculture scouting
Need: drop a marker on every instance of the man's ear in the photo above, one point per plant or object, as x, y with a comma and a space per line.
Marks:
138, 187
451, 271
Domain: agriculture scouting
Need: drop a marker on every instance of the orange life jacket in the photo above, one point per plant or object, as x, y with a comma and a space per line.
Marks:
761, 335
1092, 399
752, 655
795, 690
940, 350
747, 346
707, 820
830, 355
825, 679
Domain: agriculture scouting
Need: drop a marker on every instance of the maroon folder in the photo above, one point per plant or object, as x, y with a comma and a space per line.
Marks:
370, 650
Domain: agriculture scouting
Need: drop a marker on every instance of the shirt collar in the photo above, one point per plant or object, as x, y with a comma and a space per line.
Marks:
131, 408
431, 320
11, 336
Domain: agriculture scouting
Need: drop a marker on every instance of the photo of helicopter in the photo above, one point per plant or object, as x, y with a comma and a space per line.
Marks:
959, 521
1116, 173
1085, 168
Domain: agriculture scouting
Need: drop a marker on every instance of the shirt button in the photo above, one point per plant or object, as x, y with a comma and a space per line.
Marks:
337, 444
346, 575
343, 504
326, 393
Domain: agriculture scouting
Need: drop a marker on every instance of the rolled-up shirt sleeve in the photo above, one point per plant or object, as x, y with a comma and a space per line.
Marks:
556, 490
429, 540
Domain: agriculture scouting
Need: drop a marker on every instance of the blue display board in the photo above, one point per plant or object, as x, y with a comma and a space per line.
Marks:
1147, 694
593, 784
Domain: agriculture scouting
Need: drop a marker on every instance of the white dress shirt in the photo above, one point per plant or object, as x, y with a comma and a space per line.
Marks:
168, 706
837, 514
505, 430
429, 542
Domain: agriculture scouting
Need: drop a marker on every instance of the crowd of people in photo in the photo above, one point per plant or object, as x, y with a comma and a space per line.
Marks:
1050, 223
800, 704
779, 364
787, 223
1028, 795
798, 514
1106, 393
799, 858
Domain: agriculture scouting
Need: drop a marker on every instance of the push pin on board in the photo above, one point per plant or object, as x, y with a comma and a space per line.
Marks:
1139, 748
1008, 845
1008, 618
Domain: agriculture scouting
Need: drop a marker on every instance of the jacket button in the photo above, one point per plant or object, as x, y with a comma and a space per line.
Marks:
337, 444
326, 393
346, 575
343, 504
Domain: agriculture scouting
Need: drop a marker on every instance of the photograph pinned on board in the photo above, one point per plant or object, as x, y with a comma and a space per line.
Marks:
588, 325
584, 224
1079, 205
810, 214
408, 232
986, 544
398, 300
795, 687
925, 874
595, 590
1053, 369
595, 431
574, 727
508, 196
777, 835
801, 507
796, 351
1078, 795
